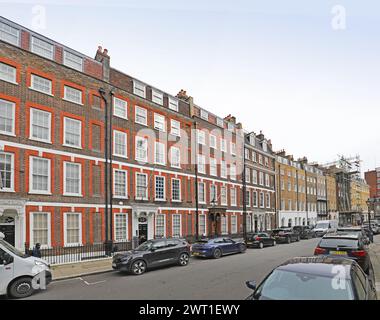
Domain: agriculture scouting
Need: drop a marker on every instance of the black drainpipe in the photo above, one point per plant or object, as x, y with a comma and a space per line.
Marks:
111, 170
196, 183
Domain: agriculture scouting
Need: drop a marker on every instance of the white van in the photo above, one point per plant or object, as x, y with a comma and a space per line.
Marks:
20, 274
325, 226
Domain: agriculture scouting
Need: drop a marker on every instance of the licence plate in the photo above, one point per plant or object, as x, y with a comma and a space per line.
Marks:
114, 265
339, 253
196, 253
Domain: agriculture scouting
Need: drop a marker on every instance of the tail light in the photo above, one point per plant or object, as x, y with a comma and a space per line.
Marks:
257, 238
359, 253
319, 250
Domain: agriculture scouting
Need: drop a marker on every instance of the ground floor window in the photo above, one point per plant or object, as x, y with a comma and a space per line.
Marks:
202, 224
72, 229
121, 227
224, 228
249, 223
176, 224
160, 226
40, 229
233, 224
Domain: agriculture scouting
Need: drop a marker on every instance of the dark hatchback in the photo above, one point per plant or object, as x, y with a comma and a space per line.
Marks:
285, 235
152, 254
305, 232
260, 240
352, 246
315, 278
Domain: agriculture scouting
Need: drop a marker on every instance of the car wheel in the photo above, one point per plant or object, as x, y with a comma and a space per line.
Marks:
274, 243
183, 259
21, 288
217, 253
288, 240
242, 248
261, 245
138, 267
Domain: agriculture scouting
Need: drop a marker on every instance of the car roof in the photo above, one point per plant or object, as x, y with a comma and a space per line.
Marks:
166, 239
350, 228
341, 235
317, 265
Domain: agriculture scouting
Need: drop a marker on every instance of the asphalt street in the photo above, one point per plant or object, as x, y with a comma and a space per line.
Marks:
201, 279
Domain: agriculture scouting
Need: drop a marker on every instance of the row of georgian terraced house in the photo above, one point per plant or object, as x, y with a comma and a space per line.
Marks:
89, 153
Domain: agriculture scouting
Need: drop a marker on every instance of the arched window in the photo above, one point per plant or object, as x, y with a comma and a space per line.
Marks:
289, 222
283, 222
303, 221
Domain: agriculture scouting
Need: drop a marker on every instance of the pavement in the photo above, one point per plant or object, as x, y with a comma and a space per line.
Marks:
375, 259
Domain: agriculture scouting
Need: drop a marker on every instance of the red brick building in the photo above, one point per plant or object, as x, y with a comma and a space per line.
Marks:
55, 104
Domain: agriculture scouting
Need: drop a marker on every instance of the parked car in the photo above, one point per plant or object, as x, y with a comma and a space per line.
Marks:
18, 270
151, 254
374, 227
218, 247
354, 230
305, 232
312, 278
260, 240
346, 245
285, 235
325, 226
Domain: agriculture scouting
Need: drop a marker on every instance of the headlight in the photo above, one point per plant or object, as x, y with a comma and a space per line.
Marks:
126, 258
39, 263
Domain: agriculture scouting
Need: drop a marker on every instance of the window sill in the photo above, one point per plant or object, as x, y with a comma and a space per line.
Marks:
177, 201
7, 190
48, 94
11, 82
68, 245
40, 192
8, 134
117, 116
70, 146
78, 103
40, 140
120, 197
120, 156
73, 195
142, 124
160, 200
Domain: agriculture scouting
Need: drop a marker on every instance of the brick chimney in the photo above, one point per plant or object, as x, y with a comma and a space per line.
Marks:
182, 95
103, 57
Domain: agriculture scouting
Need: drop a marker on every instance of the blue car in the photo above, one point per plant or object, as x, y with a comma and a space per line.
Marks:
215, 248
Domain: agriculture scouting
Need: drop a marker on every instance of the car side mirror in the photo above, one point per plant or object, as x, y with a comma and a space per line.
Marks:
152, 249
251, 284
7, 259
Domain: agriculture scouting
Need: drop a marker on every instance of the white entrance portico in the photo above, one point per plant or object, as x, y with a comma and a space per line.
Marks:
143, 221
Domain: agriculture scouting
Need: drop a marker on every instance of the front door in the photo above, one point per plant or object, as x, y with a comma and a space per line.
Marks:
9, 233
143, 232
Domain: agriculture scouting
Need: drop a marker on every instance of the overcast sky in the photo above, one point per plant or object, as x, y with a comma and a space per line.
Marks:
278, 66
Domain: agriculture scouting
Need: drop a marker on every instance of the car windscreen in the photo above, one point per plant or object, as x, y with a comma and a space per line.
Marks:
322, 225
145, 246
13, 249
289, 285
201, 242
338, 243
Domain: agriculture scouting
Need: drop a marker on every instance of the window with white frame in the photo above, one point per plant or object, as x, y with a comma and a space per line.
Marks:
7, 117
213, 167
42, 48
160, 226
40, 229
141, 115
234, 226
201, 163
223, 195
157, 97
72, 60
248, 198
40, 174
141, 152
121, 227
249, 223
6, 171
254, 159
202, 224
233, 172
73, 95
248, 175
246, 154
268, 200
260, 159
159, 122
267, 180
41, 84
159, 153
233, 196
254, 198
173, 104
220, 122
254, 176
9, 34
141, 186
120, 183
204, 114
72, 135
72, 228
40, 125
224, 226
176, 225
290, 204
139, 88
120, 108
213, 195
175, 157
176, 190
233, 148
201, 192
261, 200
261, 178
230, 126
175, 128
223, 169
201, 137
160, 188
223, 145
119, 143
7, 72
72, 179
266, 161
213, 141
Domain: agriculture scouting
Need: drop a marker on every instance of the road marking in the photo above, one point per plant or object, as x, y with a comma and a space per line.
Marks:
92, 283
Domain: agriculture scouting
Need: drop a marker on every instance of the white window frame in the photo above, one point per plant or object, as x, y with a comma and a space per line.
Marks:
201, 137
213, 167
163, 188
146, 187
139, 89
137, 138
13, 105
255, 203
262, 205
223, 169
125, 107
180, 225
114, 144
31, 190
175, 128
220, 122
224, 224
213, 192
11, 189
79, 194
157, 147
161, 121
248, 197
201, 164
157, 97
68, 58
141, 112
204, 114
233, 194
234, 226
14, 73
65, 88
268, 197
213, 143
233, 172
203, 201
124, 215
32, 244
64, 133
249, 223
247, 175
179, 190
32, 110
164, 225
233, 148
125, 196
33, 47
173, 163
4, 34
32, 83
223, 196
267, 180
65, 243
200, 231
173, 104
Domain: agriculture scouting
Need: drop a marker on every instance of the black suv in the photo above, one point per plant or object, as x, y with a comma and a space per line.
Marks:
285, 235
151, 254
305, 232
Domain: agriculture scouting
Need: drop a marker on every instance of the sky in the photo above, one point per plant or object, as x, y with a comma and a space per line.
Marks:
305, 72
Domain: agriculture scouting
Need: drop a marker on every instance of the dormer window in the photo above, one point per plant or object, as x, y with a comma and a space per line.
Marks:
220, 122
139, 89
230, 127
204, 115
157, 97
173, 104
